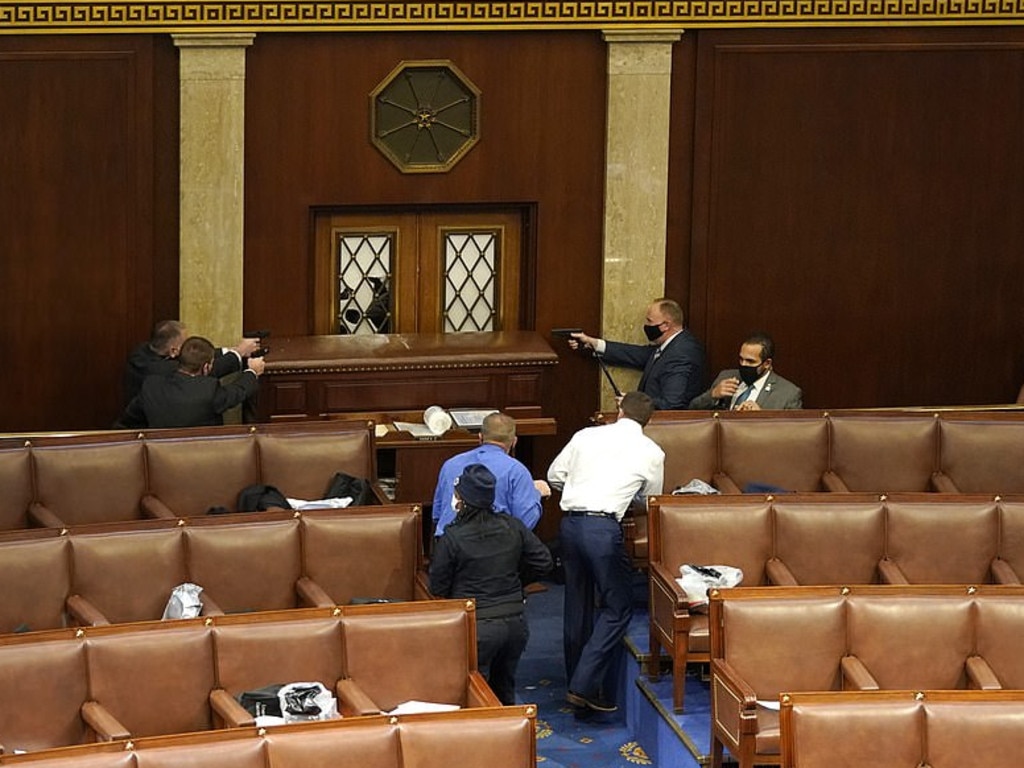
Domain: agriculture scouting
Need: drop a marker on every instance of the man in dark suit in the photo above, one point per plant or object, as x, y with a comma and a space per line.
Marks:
158, 356
754, 386
190, 397
672, 363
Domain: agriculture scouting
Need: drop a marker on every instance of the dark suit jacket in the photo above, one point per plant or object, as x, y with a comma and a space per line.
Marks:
143, 362
180, 400
777, 394
674, 378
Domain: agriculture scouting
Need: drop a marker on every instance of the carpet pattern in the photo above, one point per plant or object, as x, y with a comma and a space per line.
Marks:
636, 735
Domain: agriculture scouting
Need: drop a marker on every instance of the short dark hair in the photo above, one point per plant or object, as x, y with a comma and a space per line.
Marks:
195, 353
637, 406
498, 427
765, 341
165, 333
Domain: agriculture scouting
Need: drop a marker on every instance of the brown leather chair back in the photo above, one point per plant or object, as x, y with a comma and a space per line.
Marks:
789, 453
252, 655
937, 543
16, 480
233, 753
362, 554
302, 466
884, 455
999, 625
835, 543
246, 567
154, 682
1011, 535
128, 575
983, 456
192, 475
375, 745
691, 449
912, 642
45, 684
37, 580
91, 483
436, 649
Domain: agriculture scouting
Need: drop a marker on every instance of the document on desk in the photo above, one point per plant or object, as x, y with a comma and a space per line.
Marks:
470, 418
421, 431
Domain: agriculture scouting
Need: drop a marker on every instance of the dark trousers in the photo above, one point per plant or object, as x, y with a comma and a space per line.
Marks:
598, 603
499, 644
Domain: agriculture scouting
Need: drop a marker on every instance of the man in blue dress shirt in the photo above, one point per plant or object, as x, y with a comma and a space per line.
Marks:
516, 493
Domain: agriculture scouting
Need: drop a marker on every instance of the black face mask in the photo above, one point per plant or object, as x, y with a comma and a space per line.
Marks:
750, 373
652, 331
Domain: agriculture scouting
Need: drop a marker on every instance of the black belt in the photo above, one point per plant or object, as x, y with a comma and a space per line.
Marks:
588, 513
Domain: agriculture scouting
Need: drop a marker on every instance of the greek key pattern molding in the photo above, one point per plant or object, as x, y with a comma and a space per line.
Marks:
376, 15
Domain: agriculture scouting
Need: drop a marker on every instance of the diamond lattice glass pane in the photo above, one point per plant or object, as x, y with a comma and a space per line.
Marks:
471, 282
364, 283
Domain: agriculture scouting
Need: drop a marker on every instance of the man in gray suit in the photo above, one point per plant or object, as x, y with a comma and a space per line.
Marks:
754, 386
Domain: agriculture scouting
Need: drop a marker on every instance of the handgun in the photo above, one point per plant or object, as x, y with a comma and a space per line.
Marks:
262, 336
565, 332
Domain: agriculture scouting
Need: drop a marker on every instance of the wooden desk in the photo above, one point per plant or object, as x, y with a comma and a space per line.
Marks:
316, 377
394, 377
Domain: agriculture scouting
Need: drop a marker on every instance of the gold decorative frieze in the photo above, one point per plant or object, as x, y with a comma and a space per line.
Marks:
39, 16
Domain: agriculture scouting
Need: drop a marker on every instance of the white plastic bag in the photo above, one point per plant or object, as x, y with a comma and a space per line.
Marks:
301, 702
184, 602
698, 579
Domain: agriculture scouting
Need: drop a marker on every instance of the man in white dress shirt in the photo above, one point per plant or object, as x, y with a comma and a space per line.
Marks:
600, 472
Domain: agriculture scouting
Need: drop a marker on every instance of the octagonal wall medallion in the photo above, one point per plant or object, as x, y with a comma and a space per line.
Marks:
425, 116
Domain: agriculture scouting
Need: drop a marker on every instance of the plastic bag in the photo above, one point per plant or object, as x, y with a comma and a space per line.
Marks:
307, 701
184, 602
698, 579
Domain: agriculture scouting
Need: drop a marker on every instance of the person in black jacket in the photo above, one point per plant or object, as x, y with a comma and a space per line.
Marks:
489, 556
158, 356
189, 397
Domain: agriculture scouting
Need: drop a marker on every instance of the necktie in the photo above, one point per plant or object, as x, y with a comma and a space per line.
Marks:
743, 397
647, 369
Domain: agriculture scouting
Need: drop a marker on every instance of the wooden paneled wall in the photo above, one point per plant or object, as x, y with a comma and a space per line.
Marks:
856, 194
853, 192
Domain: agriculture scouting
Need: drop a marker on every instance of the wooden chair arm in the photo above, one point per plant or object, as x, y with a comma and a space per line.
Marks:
724, 483
83, 613
152, 507
106, 726
42, 516
833, 483
421, 586
1003, 573
352, 700
891, 572
479, 693
980, 675
779, 573
856, 676
312, 594
942, 483
740, 690
231, 713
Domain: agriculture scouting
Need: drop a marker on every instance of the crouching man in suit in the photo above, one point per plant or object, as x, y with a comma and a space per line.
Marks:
754, 386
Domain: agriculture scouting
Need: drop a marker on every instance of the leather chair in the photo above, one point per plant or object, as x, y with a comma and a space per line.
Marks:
92, 483
45, 683
786, 452
16, 480
245, 566
189, 476
882, 454
37, 581
984, 456
147, 683
938, 543
125, 575
436, 641
711, 530
1008, 567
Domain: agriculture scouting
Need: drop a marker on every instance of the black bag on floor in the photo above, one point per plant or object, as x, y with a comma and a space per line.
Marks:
262, 701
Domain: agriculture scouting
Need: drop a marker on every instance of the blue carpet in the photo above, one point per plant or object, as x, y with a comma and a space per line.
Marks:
642, 733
